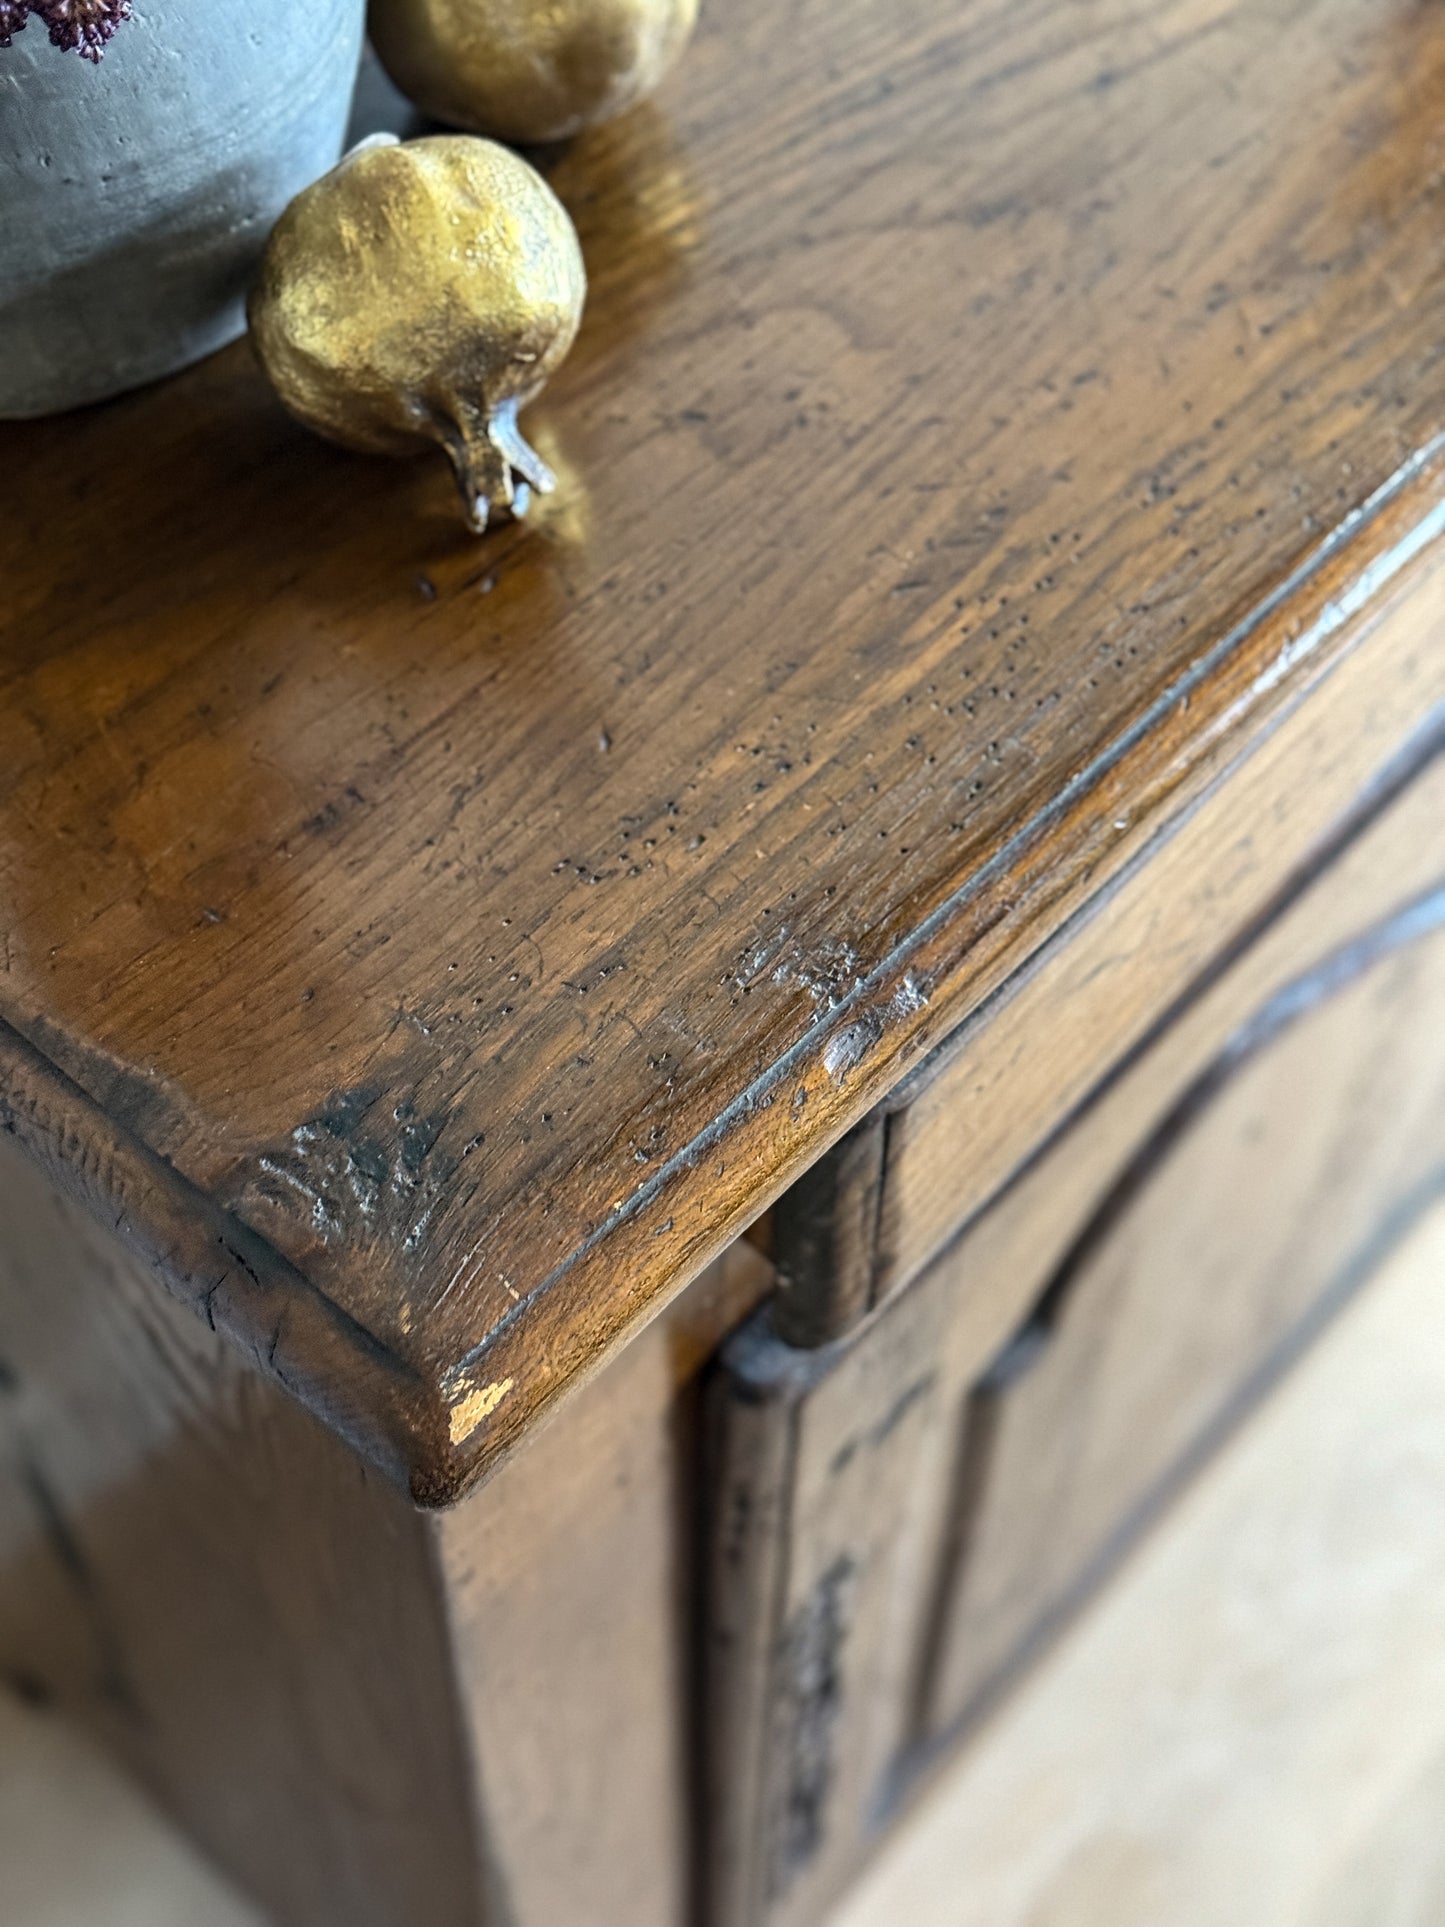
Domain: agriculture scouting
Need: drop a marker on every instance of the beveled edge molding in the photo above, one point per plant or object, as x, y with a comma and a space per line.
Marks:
222, 1271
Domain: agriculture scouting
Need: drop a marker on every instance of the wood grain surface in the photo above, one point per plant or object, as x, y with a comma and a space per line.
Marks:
495, 929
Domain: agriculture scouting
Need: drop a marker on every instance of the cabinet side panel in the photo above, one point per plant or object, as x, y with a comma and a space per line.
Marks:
217, 1586
572, 1582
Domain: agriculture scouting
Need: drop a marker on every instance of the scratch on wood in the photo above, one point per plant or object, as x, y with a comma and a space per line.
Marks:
468, 1413
851, 1046
360, 1168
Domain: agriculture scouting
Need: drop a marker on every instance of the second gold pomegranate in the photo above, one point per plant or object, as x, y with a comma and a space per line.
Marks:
529, 70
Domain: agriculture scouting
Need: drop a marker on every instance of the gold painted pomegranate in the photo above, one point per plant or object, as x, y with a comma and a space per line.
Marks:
529, 70
423, 292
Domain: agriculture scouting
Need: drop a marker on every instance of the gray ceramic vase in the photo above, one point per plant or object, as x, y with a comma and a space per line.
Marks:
136, 195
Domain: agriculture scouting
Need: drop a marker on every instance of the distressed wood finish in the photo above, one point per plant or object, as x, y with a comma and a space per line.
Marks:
953, 1132
372, 1716
491, 932
904, 1515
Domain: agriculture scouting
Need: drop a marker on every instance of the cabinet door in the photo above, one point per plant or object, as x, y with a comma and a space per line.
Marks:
1268, 1192
905, 1515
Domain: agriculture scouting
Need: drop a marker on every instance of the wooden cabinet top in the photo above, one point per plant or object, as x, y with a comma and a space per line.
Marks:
432, 950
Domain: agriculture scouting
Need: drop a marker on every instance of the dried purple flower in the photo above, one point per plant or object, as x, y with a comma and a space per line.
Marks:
81, 26
13, 15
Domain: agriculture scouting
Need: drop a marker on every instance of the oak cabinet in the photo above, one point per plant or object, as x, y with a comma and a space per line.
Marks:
631, 1156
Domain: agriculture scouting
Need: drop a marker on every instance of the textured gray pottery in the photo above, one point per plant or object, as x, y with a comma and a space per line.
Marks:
135, 196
